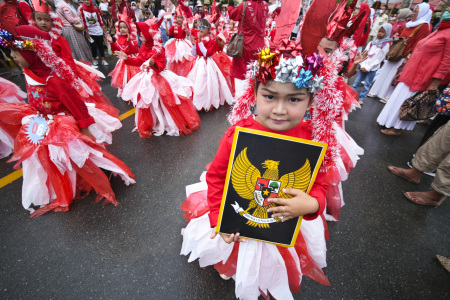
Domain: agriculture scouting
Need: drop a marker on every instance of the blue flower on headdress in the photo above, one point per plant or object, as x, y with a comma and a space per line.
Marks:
5, 38
303, 79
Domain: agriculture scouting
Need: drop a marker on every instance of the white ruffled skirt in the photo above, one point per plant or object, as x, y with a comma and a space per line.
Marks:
257, 268
212, 87
163, 103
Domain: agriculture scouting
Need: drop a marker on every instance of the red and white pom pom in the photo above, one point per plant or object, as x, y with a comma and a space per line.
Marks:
327, 106
50, 59
241, 107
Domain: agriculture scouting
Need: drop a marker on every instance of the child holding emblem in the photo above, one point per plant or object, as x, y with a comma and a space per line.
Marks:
283, 84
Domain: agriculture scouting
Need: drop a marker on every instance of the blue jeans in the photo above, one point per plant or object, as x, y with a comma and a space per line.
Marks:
164, 36
368, 79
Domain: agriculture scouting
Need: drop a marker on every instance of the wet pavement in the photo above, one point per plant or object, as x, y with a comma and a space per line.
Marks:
383, 246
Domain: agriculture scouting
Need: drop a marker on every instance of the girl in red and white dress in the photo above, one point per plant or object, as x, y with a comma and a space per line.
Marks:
125, 41
57, 140
280, 94
163, 100
80, 75
178, 49
213, 85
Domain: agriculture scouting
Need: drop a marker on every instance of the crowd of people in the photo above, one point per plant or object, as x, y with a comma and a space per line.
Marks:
290, 78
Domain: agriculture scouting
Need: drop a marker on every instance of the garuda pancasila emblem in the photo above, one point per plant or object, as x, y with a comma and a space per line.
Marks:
250, 185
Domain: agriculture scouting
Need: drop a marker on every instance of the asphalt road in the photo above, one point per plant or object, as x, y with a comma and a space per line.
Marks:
383, 246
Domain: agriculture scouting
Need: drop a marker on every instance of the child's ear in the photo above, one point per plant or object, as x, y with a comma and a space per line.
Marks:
311, 98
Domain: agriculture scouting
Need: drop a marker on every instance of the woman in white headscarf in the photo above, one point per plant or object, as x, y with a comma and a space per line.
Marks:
69, 17
415, 30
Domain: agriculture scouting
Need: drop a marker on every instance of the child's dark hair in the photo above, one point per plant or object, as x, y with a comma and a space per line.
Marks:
205, 22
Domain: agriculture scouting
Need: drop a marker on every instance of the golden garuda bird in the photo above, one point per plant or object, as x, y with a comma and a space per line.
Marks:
250, 185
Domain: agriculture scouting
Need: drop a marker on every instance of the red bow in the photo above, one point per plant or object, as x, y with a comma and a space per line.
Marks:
290, 48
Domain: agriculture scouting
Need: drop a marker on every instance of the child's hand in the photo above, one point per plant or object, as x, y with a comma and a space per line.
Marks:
360, 57
192, 39
301, 204
108, 38
227, 238
121, 55
364, 70
151, 63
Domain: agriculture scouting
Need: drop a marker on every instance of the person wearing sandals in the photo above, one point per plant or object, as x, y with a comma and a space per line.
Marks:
434, 154
77, 42
428, 65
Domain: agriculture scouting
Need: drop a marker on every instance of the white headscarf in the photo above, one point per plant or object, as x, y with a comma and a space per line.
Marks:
379, 43
423, 17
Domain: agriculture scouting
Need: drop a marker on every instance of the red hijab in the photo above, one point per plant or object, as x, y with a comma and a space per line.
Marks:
144, 28
360, 37
90, 8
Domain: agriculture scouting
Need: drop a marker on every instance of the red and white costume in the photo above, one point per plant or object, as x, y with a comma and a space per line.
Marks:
261, 268
178, 51
211, 75
82, 76
62, 163
123, 72
163, 100
257, 268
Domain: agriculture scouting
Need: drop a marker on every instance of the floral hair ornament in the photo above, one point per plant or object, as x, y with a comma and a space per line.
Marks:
264, 68
6, 39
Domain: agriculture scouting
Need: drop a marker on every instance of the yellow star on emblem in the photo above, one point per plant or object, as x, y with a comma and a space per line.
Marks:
266, 192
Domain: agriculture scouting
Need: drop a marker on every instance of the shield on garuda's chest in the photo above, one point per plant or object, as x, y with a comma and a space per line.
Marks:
265, 189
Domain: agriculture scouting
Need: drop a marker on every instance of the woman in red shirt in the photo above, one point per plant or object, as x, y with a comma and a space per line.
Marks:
418, 28
253, 30
428, 65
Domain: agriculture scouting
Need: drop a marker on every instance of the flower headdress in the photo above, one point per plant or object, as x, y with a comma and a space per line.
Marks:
298, 63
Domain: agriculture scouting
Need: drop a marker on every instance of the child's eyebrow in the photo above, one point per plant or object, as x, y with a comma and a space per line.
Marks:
274, 92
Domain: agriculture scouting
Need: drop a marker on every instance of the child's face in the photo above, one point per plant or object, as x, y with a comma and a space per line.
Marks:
356, 10
142, 37
381, 33
204, 31
179, 20
18, 59
43, 21
281, 106
123, 28
87, 2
